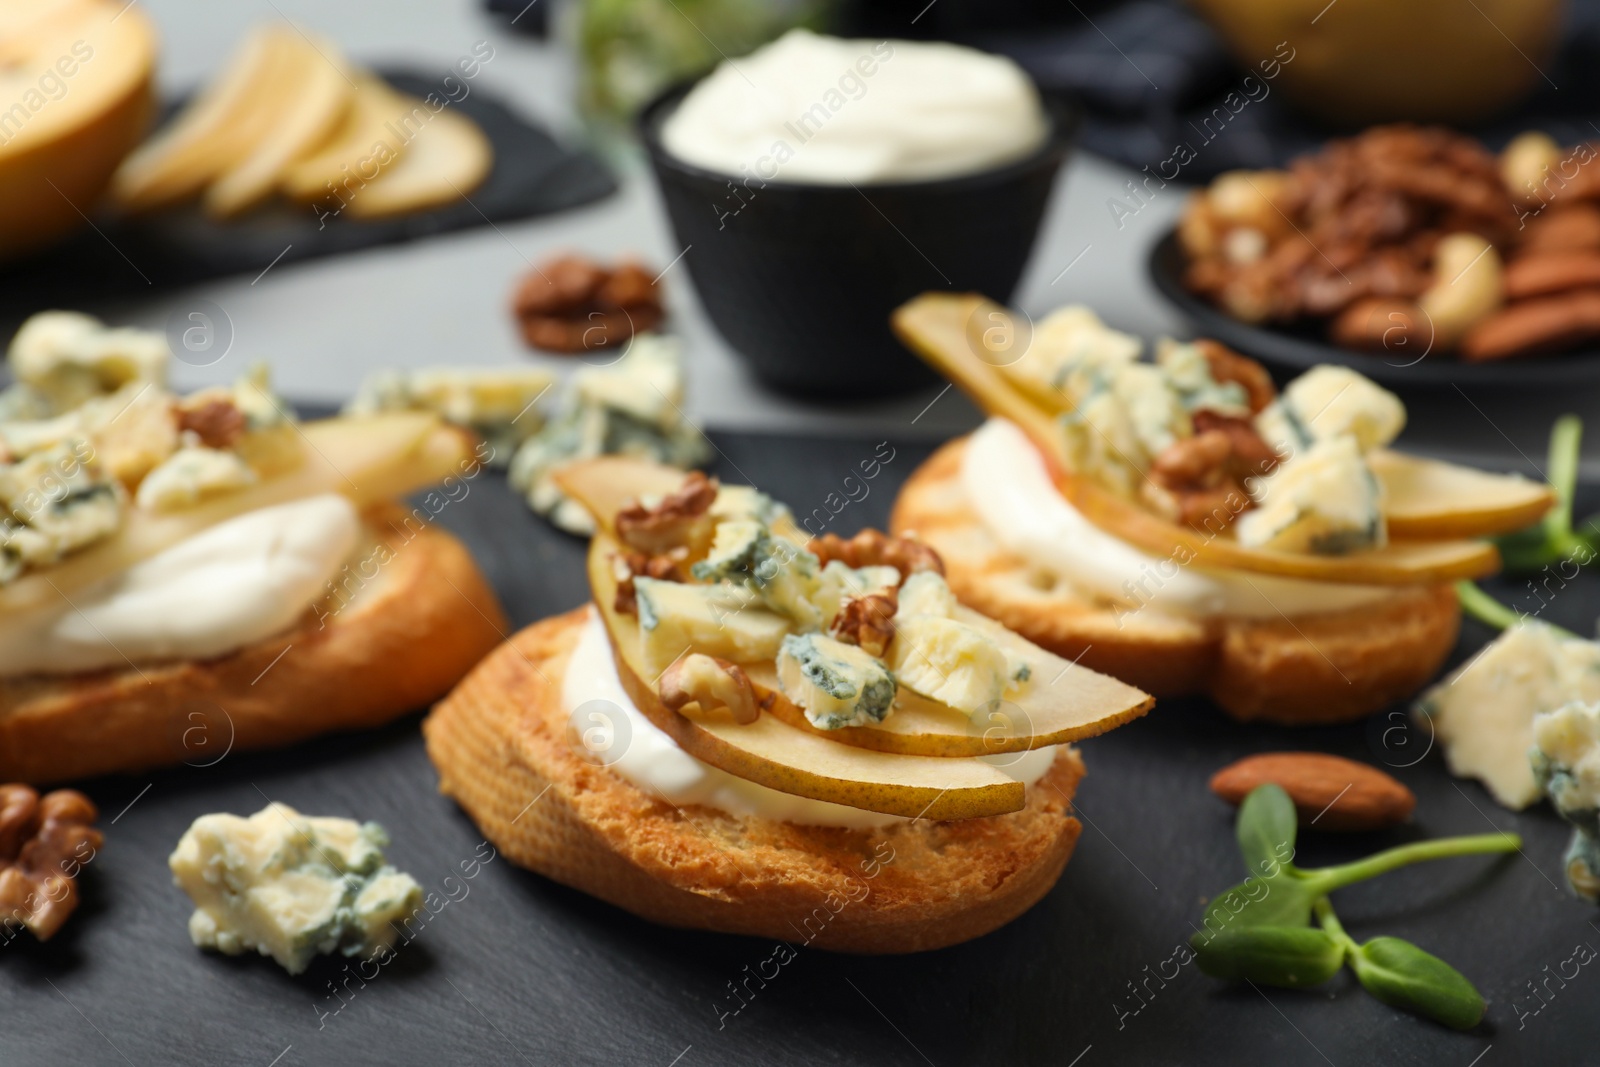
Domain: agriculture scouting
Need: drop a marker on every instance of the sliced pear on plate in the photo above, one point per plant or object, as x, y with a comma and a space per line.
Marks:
935, 326
447, 158
311, 96
1429, 499
803, 763
212, 131
369, 460
367, 135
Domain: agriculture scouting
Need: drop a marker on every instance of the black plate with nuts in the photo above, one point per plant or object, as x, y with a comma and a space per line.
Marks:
1288, 351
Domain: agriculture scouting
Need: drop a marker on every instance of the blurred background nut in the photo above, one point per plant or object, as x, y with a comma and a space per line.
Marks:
1526, 162
571, 304
1382, 322
1467, 286
44, 843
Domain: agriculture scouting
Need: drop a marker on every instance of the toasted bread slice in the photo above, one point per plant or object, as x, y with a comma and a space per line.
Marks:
391, 646
500, 742
1307, 669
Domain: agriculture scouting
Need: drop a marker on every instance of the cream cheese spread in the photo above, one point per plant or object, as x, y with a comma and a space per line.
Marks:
229, 586
1009, 487
824, 111
639, 751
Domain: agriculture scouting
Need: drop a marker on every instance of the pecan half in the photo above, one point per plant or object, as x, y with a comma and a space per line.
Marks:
873, 547
1205, 473
867, 621
216, 421
571, 304
681, 518
44, 843
707, 687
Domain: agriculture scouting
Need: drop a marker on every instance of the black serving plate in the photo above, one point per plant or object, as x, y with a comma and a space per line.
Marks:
1290, 351
513, 969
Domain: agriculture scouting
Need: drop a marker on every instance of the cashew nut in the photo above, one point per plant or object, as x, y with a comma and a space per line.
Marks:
709, 689
1468, 286
1525, 164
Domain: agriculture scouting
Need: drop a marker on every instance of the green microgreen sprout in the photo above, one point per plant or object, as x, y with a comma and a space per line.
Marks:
1553, 538
1261, 929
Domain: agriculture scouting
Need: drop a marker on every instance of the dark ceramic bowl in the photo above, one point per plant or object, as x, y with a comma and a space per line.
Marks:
801, 279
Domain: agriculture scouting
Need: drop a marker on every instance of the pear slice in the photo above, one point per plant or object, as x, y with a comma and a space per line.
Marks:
368, 460
1428, 499
447, 158
607, 484
1063, 702
772, 753
311, 99
213, 131
364, 134
934, 326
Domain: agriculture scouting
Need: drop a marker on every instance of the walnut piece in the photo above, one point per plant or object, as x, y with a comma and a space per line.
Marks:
681, 519
217, 422
710, 689
867, 621
44, 843
873, 547
571, 304
668, 566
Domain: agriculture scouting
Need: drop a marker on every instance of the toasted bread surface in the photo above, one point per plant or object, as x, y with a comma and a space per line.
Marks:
1306, 669
501, 744
410, 630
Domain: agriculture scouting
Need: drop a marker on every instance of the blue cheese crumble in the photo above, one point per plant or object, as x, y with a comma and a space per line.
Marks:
291, 886
1566, 762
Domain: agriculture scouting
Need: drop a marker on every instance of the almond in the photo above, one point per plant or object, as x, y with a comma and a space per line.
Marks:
1329, 792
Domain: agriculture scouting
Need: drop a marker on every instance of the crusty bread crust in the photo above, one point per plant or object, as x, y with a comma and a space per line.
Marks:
1309, 669
411, 630
500, 743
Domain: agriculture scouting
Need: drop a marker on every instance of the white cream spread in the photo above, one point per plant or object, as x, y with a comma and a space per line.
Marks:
644, 755
229, 586
1008, 485
825, 111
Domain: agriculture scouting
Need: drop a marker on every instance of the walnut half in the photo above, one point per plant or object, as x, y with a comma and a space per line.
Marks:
873, 547
867, 621
682, 519
44, 843
708, 688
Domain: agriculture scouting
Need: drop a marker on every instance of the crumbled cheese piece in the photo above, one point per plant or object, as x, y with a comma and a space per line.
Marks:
835, 684
1324, 500
1566, 765
56, 500
191, 475
632, 407
291, 886
68, 358
1483, 713
1327, 402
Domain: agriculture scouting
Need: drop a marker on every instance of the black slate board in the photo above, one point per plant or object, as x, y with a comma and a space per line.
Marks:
517, 970
533, 174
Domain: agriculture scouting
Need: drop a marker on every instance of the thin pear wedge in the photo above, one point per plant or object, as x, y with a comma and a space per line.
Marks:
446, 159
935, 327
211, 132
369, 460
363, 137
311, 103
607, 484
772, 753
1062, 703
1429, 499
